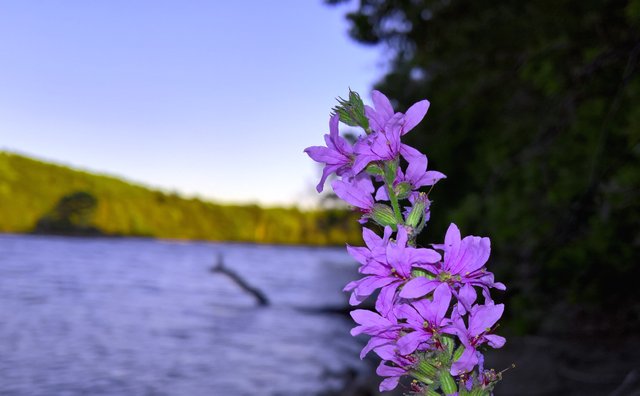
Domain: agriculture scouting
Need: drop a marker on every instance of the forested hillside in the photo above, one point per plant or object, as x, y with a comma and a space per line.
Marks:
34, 193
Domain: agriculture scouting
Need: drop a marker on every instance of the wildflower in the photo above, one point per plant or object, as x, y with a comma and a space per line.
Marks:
391, 273
416, 176
426, 319
384, 331
383, 144
375, 250
463, 263
481, 320
417, 322
337, 156
382, 116
356, 191
401, 366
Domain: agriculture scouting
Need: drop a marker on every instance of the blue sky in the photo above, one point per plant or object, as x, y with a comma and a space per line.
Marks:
210, 98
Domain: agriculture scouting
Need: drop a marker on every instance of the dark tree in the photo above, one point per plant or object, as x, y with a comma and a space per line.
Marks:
72, 215
535, 118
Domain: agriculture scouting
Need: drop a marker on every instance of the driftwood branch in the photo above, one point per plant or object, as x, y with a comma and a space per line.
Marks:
238, 280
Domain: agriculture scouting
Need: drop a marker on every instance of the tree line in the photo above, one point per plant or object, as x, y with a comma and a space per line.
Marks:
43, 197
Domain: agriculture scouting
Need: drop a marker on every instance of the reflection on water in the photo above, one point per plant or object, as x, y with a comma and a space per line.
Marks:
142, 317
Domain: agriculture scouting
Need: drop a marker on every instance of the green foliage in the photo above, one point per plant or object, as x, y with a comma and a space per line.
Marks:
32, 191
535, 120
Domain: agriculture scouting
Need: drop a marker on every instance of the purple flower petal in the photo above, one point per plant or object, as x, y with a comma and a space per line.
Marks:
424, 256
418, 287
374, 342
389, 384
360, 254
414, 115
411, 313
387, 371
384, 303
410, 342
452, 238
466, 297
495, 341
439, 305
357, 193
382, 104
369, 284
465, 363
483, 317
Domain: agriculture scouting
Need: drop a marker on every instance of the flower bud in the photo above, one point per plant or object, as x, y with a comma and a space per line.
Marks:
478, 391
417, 211
351, 111
421, 377
383, 215
458, 353
428, 369
402, 190
448, 344
447, 383
417, 272
375, 170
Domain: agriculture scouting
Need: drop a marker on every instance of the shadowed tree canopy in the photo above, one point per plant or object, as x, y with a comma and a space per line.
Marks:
72, 215
535, 119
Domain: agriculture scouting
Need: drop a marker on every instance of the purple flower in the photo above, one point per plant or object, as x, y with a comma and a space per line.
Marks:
391, 273
379, 146
337, 156
416, 175
357, 191
384, 331
382, 115
426, 319
402, 365
481, 320
463, 263
392, 374
383, 144
375, 250
406, 328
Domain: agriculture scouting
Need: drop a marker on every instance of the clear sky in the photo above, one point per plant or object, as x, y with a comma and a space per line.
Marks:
210, 98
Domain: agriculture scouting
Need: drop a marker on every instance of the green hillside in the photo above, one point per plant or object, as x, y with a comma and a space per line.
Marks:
33, 191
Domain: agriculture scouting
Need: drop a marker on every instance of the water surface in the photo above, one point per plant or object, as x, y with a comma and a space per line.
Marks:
145, 317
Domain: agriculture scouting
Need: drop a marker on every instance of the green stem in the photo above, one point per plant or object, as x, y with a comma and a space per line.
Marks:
394, 204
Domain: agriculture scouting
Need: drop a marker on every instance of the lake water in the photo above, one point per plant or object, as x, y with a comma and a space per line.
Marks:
144, 317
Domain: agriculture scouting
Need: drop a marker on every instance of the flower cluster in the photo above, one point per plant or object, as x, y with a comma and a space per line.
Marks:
429, 323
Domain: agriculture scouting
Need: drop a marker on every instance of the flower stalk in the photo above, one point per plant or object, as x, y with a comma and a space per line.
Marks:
427, 325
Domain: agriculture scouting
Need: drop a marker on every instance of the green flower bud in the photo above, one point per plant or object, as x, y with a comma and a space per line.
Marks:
416, 213
383, 215
375, 170
428, 369
351, 111
416, 272
447, 383
478, 391
431, 392
402, 190
421, 377
448, 343
458, 353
